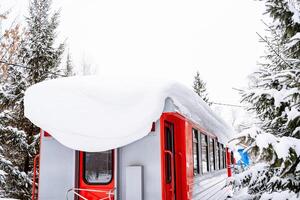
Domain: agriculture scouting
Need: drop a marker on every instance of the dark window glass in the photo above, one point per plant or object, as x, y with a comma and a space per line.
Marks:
211, 154
169, 146
98, 167
221, 156
217, 155
204, 153
224, 157
232, 158
196, 151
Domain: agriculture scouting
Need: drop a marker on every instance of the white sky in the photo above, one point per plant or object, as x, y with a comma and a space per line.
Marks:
164, 38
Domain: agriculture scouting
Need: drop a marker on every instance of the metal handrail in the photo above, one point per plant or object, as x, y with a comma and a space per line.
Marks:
172, 170
110, 193
36, 159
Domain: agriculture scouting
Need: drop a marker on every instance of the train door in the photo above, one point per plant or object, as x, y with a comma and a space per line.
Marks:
169, 151
96, 175
173, 159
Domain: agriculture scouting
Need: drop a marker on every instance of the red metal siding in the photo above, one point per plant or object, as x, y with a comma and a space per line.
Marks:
180, 158
89, 193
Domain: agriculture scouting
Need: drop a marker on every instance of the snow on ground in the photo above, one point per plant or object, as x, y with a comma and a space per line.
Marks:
93, 114
241, 195
7, 199
285, 195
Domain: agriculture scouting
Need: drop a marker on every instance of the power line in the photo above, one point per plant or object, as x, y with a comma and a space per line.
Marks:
225, 104
25, 67
237, 89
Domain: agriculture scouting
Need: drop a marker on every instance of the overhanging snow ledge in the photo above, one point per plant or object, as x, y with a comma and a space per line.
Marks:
92, 114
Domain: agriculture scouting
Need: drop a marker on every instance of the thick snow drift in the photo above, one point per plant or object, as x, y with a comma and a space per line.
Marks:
92, 114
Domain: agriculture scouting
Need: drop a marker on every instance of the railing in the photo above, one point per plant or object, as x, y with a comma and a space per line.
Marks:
36, 159
110, 193
167, 152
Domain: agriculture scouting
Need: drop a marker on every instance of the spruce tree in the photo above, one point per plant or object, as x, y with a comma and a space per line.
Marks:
199, 87
39, 52
14, 179
275, 93
274, 96
36, 59
69, 66
286, 15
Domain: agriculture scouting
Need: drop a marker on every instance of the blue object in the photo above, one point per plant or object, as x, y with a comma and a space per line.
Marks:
245, 161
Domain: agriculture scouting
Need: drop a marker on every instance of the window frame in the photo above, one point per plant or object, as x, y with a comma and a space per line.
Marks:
198, 141
168, 160
224, 157
84, 169
217, 155
207, 153
221, 156
213, 154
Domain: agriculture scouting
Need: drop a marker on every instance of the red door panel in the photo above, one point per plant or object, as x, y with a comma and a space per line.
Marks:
169, 157
173, 157
96, 175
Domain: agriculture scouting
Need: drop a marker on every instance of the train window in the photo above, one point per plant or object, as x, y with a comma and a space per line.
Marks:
169, 146
221, 156
224, 157
204, 153
232, 158
196, 151
211, 154
217, 155
98, 167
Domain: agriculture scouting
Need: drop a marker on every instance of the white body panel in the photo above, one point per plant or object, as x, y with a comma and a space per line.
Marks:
145, 153
134, 182
57, 170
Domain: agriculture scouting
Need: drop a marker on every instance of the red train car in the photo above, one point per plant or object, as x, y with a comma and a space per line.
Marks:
182, 156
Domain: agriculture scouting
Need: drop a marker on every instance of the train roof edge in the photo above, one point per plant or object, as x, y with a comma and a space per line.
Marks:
92, 114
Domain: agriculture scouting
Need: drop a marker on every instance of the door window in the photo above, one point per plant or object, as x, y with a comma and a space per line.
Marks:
98, 167
169, 146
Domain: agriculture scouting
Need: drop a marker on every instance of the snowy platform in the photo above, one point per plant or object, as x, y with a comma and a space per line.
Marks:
211, 186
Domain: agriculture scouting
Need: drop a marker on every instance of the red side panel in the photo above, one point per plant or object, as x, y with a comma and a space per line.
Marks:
177, 188
46, 134
94, 191
189, 159
228, 163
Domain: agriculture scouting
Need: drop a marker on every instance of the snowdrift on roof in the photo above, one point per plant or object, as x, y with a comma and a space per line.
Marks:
92, 114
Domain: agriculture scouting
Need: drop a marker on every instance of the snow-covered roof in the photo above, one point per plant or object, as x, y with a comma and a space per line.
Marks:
93, 114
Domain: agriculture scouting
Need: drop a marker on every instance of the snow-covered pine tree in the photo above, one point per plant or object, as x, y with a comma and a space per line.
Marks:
39, 52
14, 182
69, 71
286, 14
274, 96
36, 60
199, 87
